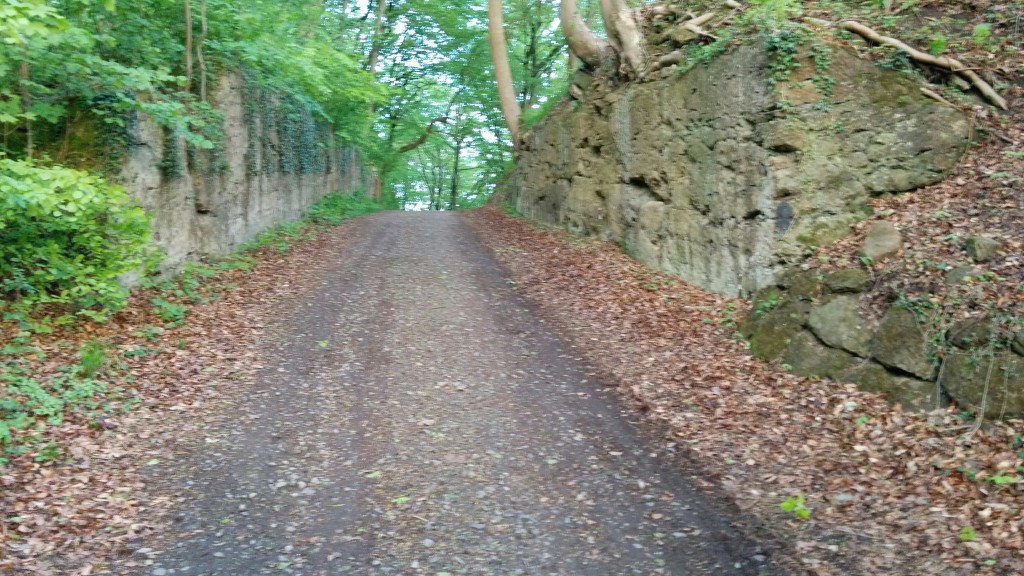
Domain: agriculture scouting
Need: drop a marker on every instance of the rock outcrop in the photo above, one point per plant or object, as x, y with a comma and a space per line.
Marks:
274, 162
813, 323
719, 177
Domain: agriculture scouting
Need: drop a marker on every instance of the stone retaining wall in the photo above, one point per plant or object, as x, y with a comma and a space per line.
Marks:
723, 178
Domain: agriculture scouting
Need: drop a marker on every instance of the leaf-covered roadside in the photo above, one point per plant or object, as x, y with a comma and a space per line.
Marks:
72, 494
885, 492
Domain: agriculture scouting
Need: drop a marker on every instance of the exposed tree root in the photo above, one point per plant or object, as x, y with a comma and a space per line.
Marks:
935, 96
924, 58
675, 57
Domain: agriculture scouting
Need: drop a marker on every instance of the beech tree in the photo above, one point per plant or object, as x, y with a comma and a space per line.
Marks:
502, 71
582, 41
624, 44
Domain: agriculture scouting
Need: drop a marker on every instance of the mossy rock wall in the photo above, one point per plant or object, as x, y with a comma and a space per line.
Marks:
723, 178
815, 325
275, 160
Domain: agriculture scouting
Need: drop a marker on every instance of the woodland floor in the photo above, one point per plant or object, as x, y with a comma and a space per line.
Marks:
441, 393
403, 411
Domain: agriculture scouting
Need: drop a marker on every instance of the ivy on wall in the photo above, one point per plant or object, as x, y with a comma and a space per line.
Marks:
285, 134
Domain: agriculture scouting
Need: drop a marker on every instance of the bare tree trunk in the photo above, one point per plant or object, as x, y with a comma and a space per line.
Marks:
624, 35
343, 22
589, 23
502, 71
378, 184
378, 31
581, 39
199, 50
188, 46
26, 101
453, 202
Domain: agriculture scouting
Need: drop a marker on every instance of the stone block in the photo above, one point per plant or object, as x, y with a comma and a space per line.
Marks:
840, 324
992, 383
899, 343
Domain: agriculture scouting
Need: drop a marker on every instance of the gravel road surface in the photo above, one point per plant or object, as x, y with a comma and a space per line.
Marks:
415, 417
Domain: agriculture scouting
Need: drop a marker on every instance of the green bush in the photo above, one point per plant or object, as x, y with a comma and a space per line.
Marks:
337, 207
66, 236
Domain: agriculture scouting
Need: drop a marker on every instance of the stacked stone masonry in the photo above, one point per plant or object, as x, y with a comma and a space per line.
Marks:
815, 325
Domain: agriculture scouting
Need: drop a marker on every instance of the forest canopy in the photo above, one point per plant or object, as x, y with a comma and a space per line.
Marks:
409, 82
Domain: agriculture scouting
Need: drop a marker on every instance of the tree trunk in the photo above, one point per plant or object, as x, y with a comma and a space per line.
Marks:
624, 35
581, 39
26, 101
502, 71
589, 23
199, 50
378, 31
454, 201
529, 65
188, 46
378, 184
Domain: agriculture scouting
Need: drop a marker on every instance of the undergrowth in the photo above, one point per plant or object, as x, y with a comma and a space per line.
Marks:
36, 396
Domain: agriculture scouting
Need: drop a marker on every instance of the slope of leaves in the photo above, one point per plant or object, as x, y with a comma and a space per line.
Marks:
982, 198
885, 492
84, 508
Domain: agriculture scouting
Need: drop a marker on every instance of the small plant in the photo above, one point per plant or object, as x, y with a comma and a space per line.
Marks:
783, 46
168, 311
983, 35
48, 453
1002, 479
141, 352
797, 506
768, 304
728, 315
149, 332
967, 534
92, 358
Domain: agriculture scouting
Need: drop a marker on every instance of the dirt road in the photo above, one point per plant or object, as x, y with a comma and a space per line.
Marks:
414, 417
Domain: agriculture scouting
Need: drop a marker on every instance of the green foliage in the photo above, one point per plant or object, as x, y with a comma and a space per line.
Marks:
92, 358
171, 313
1002, 479
797, 506
48, 453
775, 13
97, 65
982, 36
336, 208
29, 403
767, 304
784, 47
937, 44
65, 237
967, 534
705, 53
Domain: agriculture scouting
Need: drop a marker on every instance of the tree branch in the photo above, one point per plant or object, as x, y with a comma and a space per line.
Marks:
423, 137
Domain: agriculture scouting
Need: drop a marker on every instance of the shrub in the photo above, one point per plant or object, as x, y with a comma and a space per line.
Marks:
337, 207
66, 236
